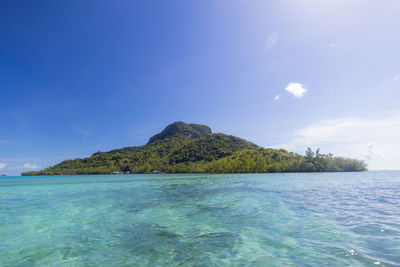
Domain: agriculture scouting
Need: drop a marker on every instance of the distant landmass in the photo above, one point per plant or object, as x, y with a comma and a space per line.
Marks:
193, 148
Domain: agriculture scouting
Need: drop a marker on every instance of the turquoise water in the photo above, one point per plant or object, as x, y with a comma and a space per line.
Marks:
330, 219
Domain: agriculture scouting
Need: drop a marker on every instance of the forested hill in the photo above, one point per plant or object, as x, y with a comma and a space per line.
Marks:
193, 148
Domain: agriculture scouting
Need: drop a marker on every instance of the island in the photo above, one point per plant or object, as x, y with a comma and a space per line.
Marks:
194, 148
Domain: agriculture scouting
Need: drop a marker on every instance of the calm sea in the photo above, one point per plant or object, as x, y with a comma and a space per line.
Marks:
317, 219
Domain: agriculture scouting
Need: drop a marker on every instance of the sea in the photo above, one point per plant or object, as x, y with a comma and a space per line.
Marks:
286, 219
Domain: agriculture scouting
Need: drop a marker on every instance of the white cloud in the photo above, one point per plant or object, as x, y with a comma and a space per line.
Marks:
30, 166
396, 78
276, 97
2, 165
272, 40
335, 44
296, 89
374, 139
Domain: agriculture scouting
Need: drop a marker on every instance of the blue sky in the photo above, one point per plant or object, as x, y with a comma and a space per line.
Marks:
77, 77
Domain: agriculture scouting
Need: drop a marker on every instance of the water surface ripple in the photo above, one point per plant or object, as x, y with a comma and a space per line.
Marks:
306, 219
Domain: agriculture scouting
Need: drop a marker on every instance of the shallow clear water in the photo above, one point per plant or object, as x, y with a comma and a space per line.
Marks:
210, 220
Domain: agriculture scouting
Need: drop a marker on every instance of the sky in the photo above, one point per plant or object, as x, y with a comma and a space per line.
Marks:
77, 77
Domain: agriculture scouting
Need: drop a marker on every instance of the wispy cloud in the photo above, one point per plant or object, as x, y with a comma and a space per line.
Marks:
30, 166
2, 165
396, 78
296, 89
371, 152
272, 40
276, 97
375, 140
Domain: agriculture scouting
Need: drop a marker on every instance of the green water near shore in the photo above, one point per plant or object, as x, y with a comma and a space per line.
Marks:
207, 220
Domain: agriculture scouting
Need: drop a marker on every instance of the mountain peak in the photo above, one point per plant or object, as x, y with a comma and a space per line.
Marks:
180, 128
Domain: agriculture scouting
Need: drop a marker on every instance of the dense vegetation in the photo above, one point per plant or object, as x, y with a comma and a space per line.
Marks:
188, 148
